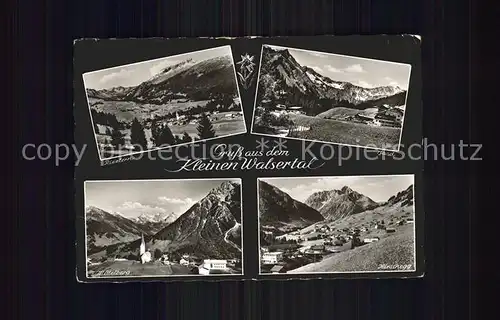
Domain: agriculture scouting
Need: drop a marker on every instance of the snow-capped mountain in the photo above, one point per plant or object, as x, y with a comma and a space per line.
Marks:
337, 204
211, 228
191, 80
116, 93
105, 228
283, 78
155, 218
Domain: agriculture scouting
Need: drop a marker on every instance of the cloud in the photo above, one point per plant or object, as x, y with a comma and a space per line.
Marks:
134, 209
319, 54
378, 188
333, 69
175, 200
392, 82
122, 74
158, 67
182, 204
355, 68
364, 84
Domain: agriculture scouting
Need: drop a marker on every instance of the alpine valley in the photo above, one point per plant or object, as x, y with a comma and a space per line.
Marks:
338, 230
294, 100
184, 101
209, 229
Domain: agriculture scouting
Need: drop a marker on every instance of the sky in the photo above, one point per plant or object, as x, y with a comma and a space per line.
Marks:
133, 198
363, 72
136, 73
378, 188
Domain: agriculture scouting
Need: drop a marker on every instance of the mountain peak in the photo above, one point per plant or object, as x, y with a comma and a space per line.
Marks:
346, 189
224, 188
338, 204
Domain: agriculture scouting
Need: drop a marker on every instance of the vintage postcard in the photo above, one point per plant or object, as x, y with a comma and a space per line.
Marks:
310, 147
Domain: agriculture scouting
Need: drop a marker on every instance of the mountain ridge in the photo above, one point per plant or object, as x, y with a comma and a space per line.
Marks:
283, 78
211, 227
185, 80
337, 204
278, 208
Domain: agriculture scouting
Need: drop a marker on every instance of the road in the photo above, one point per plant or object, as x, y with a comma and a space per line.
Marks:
226, 236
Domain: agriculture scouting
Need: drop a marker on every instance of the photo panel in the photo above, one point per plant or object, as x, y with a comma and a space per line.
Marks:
330, 98
163, 228
165, 102
336, 224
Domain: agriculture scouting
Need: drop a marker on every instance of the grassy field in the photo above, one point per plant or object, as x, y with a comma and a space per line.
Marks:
222, 127
134, 268
334, 131
396, 251
127, 110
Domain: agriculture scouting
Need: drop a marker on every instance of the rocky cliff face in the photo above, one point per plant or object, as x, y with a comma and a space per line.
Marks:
283, 78
211, 228
403, 198
337, 204
277, 208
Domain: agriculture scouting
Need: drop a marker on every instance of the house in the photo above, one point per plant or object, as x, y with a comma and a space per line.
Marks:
272, 257
316, 250
289, 237
127, 141
370, 240
390, 230
409, 220
184, 262
212, 266
278, 269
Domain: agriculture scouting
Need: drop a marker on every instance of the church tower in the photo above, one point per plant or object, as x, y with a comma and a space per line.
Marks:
143, 245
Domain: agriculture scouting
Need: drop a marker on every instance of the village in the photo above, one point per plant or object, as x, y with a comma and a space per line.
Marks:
385, 116
167, 263
312, 244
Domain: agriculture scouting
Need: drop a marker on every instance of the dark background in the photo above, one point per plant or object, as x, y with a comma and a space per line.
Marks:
91, 55
42, 282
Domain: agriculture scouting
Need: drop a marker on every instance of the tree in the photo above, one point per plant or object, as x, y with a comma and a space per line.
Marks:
117, 138
158, 254
137, 136
108, 131
205, 128
156, 129
96, 128
186, 137
165, 137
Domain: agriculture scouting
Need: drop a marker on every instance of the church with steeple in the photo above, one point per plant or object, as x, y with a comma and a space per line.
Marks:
144, 255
